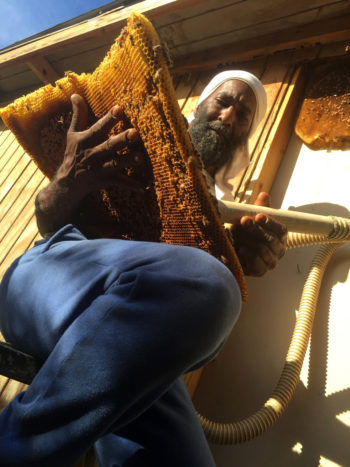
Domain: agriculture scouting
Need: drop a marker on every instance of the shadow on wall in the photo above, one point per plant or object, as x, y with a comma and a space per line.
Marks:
239, 381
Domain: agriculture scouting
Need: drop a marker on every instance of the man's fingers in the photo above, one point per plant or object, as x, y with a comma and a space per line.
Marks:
106, 150
80, 115
252, 234
263, 199
102, 127
271, 224
252, 264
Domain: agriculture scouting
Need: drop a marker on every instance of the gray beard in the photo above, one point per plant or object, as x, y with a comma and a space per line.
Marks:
213, 141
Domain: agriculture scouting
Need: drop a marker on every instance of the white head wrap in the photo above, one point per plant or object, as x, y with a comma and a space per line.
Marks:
224, 178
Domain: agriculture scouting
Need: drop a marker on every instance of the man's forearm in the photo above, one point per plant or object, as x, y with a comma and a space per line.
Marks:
87, 166
55, 206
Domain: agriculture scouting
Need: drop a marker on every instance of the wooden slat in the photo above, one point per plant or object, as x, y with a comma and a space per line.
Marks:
23, 225
3, 140
203, 8
10, 390
237, 21
279, 137
18, 207
43, 70
18, 157
192, 380
14, 167
19, 243
325, 31
108, 23
7, 149
185, 88
26, 170
15, 188
35, 239
275, 77
263, 171
3, 383
276, 82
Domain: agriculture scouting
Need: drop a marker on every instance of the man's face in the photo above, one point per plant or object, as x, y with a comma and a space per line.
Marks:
222, 123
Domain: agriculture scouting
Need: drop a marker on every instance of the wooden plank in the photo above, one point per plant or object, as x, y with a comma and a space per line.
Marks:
18, 92
277, 141
325, 31
43, 70
3, 383
20, 244
7, 149
109, 23
192, 380
5, 133
11, 240
275, 76
185, 88
18, 156
11, 389
18, 187
276, 82
7, 187
200, 9
16, 81
35, 239
20, 195
15, 69
237, 21
16, 164
334, 50
83, 62
18, 207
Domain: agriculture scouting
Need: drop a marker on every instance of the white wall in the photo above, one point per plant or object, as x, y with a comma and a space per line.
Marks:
315, 430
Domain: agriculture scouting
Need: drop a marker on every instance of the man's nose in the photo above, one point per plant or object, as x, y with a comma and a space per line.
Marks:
227, 116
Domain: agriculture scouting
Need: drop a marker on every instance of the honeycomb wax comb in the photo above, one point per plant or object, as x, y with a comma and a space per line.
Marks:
176, 207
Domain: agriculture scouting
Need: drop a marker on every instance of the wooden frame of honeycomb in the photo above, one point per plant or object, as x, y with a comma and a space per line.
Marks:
134, 74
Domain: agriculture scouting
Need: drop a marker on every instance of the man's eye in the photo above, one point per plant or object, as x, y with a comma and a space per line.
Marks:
222, 102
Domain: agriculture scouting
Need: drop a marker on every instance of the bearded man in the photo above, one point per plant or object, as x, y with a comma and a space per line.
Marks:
117, 323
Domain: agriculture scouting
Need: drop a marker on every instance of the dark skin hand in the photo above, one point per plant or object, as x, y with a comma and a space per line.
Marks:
87, 166
260, 241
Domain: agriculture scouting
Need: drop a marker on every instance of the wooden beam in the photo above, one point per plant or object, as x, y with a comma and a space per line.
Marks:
109, 23
43, 70
264, 171
308, 35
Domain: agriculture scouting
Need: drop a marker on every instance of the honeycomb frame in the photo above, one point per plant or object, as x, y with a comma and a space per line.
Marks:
134, 74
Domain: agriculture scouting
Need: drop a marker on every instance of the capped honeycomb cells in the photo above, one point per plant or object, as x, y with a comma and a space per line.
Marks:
324, 117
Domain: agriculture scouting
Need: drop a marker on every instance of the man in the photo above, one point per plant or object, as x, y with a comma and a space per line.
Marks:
117, 323
229, 110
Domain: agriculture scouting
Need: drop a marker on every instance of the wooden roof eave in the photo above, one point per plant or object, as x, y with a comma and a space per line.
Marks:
107, 23
307, 35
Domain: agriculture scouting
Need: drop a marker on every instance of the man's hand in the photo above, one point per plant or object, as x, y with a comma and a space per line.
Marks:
260, 241
88, 165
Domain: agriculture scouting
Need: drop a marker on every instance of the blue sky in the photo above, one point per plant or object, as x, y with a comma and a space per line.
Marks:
20, 19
